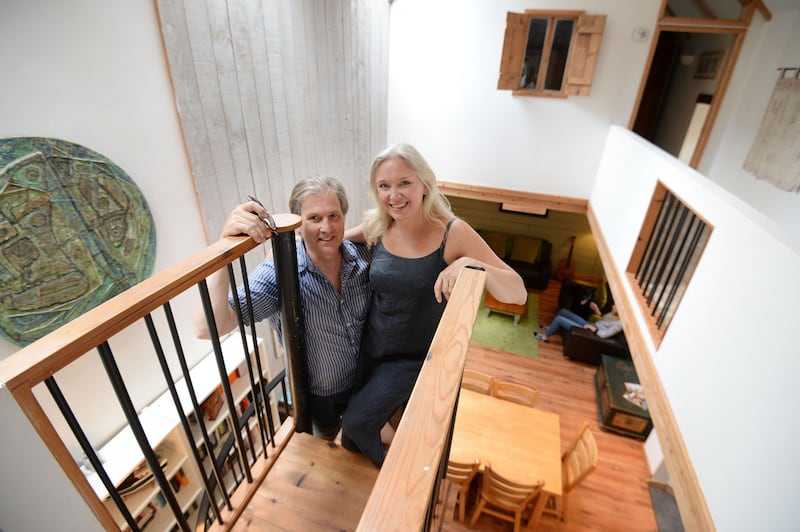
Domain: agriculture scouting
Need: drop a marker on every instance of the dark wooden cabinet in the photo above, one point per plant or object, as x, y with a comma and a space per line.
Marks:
616, 413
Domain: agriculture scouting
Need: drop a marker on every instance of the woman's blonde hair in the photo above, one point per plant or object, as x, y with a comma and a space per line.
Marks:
435, 206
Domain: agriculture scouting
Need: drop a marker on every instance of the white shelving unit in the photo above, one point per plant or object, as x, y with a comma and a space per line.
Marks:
121, 455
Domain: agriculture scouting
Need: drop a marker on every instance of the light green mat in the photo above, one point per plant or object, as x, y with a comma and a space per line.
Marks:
498, 330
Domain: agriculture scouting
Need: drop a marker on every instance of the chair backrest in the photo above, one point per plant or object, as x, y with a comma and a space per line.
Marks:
516, 393
462, 472
507, 494
477, 381
461, 475
579, 459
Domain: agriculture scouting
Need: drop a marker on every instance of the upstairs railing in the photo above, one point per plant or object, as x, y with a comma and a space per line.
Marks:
405, 494
414, 464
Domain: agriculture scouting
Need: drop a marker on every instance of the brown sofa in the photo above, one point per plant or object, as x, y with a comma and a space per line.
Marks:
585, 346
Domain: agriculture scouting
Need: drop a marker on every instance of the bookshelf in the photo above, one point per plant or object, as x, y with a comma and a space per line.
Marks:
121, 455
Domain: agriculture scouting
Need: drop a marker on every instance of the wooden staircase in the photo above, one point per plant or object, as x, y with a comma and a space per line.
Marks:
316, 485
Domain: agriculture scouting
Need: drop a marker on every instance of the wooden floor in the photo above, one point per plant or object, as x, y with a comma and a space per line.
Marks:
315, 485
614, 497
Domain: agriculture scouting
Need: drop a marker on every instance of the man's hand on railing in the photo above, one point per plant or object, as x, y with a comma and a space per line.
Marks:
249, 218
252, 219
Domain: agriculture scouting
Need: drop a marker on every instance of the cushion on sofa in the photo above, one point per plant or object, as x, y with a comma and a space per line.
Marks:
528, 256
525, 249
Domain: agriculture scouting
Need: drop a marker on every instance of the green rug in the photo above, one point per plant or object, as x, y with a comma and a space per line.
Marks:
498, 330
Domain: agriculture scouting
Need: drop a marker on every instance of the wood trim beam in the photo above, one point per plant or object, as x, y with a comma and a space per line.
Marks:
531, 200
677, 26
761, 7
688, 493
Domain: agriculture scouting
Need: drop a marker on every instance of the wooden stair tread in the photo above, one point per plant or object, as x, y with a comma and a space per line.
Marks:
315, 485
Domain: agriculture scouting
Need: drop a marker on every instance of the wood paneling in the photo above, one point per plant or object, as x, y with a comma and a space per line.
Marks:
270, 92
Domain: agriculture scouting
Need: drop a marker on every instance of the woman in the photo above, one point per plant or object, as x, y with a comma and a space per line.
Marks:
418, 250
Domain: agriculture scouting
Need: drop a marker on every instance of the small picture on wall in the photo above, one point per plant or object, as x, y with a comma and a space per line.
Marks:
708, 66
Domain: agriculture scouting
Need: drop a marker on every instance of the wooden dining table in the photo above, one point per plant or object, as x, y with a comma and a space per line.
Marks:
520, 442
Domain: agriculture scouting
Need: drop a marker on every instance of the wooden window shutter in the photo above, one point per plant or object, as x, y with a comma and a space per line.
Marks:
585, 49
516, 39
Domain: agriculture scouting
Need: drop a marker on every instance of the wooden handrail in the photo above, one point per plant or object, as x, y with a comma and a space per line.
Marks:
405, 484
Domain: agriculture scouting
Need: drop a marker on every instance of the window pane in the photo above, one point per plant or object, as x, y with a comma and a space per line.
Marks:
559, 52
537, 31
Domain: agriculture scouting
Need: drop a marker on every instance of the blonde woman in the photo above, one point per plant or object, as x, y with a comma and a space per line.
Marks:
418, 249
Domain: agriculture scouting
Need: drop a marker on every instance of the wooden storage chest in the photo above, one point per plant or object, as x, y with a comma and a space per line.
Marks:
615, 412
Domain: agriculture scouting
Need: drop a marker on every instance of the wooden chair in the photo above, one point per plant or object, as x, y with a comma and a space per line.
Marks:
477, 381
577, 462
461, 475
504, 498
516, 393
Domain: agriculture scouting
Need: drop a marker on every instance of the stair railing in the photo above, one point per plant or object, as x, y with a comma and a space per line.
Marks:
415, 463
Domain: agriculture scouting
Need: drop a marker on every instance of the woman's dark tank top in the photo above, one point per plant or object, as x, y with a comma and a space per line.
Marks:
404, 314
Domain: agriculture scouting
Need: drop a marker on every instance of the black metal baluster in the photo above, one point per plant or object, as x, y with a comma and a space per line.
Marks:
256, 383
669, 257
132, 416
223, 372
654, 243
690, 255
86, 445
663, 246
285, 253
187, 429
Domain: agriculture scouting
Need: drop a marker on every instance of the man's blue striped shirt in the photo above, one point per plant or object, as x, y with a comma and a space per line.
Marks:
333, 321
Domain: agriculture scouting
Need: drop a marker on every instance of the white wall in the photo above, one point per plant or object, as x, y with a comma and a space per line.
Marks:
94, 73
443, 98
768, 46
728, 362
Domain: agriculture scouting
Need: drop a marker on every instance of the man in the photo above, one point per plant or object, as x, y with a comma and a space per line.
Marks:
334, 290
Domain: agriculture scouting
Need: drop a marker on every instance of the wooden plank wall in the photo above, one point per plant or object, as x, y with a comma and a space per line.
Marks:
557, 227
269, 92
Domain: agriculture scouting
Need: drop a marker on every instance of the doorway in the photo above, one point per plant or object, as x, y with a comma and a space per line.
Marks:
686, 69
694, 51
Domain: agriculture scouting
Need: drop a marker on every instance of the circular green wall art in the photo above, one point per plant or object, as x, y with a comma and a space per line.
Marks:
75, 231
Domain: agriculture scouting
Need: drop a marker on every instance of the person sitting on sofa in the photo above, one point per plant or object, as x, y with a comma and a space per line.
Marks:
586, 306
606, 327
